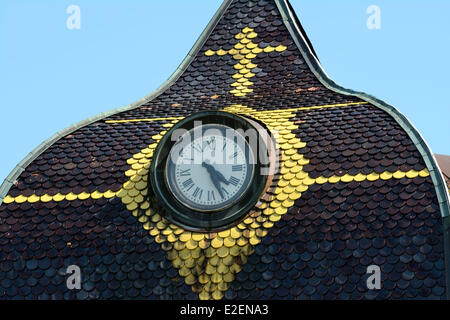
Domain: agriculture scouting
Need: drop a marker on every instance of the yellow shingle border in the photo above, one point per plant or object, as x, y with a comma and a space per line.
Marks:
387, 175
277, 111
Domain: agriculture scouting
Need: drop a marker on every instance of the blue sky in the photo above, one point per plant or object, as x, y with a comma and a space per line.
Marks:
52, 77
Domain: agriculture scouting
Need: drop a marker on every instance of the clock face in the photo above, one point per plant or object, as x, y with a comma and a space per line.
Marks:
210, 168
205, 175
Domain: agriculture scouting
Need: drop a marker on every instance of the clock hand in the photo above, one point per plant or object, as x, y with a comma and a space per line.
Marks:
221, 177
218, 174
214, 178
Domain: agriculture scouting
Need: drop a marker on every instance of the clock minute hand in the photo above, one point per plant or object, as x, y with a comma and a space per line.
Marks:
219, 175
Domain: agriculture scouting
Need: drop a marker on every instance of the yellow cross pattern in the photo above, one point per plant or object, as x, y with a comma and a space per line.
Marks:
244, 52
209, 262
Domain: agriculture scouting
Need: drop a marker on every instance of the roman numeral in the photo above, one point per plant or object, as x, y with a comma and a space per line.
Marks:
188, 184
211, 143
225, 190
211, 195
198, 193
234, 181
198, 148
234, 155
185, 173
238, 168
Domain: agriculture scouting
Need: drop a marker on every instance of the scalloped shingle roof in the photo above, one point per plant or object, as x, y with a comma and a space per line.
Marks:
357, 187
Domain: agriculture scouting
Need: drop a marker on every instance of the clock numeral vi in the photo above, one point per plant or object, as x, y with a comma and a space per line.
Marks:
211, 195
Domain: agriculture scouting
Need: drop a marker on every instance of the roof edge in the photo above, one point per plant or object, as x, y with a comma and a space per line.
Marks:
289, 19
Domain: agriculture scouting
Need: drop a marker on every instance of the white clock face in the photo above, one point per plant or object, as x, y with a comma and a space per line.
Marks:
212, 170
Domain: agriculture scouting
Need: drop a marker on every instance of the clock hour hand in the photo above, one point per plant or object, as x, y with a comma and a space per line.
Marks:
218, 174
221, 177
212, 173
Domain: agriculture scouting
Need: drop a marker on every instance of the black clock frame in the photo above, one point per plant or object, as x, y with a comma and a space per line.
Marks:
174, 211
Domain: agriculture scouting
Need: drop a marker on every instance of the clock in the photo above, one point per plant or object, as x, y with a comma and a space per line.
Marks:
210, 170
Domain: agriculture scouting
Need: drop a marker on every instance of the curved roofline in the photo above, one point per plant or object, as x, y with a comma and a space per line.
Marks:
20, 168
308, 54
295, 29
